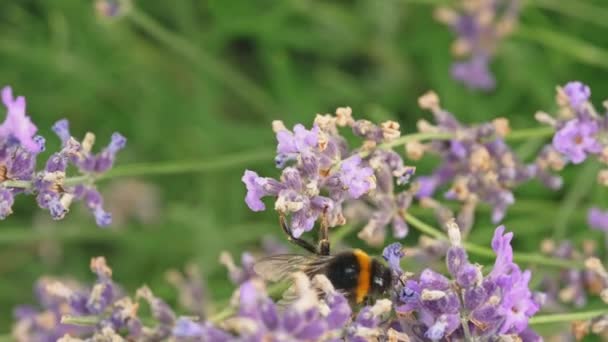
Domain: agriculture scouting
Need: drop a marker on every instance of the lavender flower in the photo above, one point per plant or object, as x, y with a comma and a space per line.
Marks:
239, 275
17, 126
320, 175
477, 162
580, 131
571, 285
480, 26
356, 179
191, 289
471, 304
393, 254
475, 73
19, 147
577, 93
576, 139
57, 198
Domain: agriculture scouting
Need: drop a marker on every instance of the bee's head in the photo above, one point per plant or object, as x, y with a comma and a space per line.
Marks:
382, 277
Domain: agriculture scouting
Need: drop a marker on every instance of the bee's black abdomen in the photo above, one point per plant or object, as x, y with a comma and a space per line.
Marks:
381, 277
343, 271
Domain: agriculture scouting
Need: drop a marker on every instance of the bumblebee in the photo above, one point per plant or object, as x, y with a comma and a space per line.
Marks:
354, 273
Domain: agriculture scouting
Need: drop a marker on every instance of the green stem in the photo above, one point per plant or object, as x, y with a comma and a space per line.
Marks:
570, 46
577, 9
527, 133
222, 72
567, 317
165, 168
489, 253
80, 320
417, 137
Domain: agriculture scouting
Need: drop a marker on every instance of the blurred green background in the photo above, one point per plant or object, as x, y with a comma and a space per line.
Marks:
196, 80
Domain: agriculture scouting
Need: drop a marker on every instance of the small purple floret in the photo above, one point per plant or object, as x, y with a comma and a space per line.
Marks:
577, 93
356, 178
17, 124
577, 138
598, 219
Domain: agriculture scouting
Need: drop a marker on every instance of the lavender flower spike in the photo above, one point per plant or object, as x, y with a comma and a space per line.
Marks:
6, 203
358, 180
577, 93
393, 254
17, 124
499, 304
258, 187
577, 138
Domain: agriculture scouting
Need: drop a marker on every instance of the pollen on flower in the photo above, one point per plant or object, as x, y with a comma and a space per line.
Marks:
390, 130
414, 150
501, 126
99, 266
344, 116
429, 101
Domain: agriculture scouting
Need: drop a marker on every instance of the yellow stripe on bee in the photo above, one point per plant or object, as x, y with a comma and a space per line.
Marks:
363, 282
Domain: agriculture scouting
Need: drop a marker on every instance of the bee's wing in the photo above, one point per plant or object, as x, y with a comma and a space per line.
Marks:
279, 267
291, 295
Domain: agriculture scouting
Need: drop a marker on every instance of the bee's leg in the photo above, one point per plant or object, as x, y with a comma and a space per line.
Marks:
302, 243
324, 244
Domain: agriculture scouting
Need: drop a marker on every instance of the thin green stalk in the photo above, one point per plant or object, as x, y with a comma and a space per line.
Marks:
568, 45
584, 182
527, 133
566, 317
340, 233
222, 72
80, 320
165, 168
489, 253
417, 137
577, 9
425, 228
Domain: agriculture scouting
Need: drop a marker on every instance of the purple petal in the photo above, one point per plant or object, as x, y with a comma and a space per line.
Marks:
18, 125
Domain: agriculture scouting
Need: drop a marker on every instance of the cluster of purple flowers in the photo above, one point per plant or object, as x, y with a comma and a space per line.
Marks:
477, 162
579, 128
480, 26
71, 312
104, 310
573, 286
580, 132
470, 304
320, 174
19, 148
